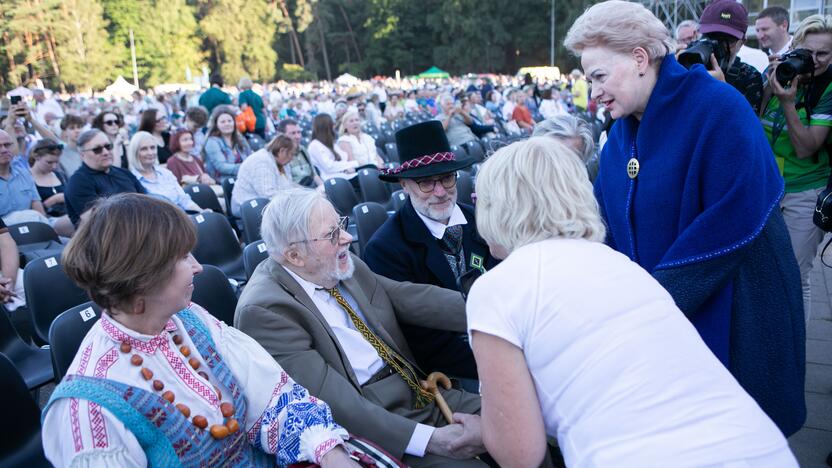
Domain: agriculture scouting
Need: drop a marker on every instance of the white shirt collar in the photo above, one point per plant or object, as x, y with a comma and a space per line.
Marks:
785, 48
436, 228
307, 286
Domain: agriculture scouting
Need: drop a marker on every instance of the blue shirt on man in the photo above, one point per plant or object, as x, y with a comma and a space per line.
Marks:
18, 191
87, 185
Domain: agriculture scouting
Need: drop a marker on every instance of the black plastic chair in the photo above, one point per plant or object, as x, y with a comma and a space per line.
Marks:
341, 194
66, 334
32, 363
253, 255
392, 152
33, 233
215, 294
372, 188
204, 196
251, 213
368, 218
49, 292
459, 152
20, 442
464, 188
475, 150
217, 245
227, 189
397, 200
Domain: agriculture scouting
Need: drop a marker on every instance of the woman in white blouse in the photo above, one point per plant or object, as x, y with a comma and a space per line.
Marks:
330, 160
144, 163
158, 381
263, 173
355, 143
575, 341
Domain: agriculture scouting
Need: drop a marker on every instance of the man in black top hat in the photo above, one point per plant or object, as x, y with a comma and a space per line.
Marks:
432, 239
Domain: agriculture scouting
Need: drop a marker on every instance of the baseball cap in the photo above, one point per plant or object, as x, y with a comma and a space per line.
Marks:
725, 16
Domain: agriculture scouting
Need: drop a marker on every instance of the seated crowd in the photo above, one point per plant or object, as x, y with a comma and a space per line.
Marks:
577, 313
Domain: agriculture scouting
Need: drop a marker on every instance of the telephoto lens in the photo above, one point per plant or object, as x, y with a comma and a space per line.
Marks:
698, 52
792, 64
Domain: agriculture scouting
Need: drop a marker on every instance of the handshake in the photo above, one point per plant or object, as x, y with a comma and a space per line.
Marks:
460, 440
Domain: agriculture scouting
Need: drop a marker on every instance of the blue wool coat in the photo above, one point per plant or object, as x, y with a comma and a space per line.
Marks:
703, 217
404, 250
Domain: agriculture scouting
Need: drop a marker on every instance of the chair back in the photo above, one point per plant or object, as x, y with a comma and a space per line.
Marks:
227, 189
31, 233
464, 188
341, 194
204, 196
397, 199
215, 294
475, 150
20, 442
372, 188
217, 244
253, 255
251, 213
49, 292
32, 363
392, 152
67, 332
368, 217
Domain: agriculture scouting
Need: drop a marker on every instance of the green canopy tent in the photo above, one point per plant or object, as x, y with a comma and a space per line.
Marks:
434, 72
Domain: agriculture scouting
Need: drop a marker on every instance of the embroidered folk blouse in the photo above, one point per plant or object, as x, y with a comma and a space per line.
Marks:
79, 433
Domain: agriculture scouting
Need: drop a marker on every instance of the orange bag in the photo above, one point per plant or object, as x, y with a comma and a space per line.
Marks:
246, 121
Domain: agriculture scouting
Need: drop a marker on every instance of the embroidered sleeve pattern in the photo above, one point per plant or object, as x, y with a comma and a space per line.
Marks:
296, 426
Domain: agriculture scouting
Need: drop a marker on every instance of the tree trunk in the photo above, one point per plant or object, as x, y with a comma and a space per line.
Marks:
323, 47
293, 35
10, 58
352, 34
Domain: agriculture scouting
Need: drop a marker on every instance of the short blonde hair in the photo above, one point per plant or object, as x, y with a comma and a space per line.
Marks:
621, 26
245, 83
535, 190
342, 127
815, 24
133, 150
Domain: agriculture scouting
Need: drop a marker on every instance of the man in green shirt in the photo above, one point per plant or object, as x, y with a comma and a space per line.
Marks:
214, 96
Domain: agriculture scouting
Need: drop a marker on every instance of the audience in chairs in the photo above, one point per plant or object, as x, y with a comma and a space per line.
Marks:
574, 340
158, 381
431, 240
263, 173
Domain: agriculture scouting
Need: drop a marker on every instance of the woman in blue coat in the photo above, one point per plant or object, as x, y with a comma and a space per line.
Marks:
690, 191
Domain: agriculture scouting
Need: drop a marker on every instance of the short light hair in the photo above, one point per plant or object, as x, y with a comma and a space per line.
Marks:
245, 83
286, 219
621, 26
443, 98
133, 149
567, 127
815, 24
685, 24
102, 257
342, 128
535, 190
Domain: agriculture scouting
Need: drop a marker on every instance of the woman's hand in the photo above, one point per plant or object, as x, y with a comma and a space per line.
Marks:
56, 199
204, 178
785, 95
338, 457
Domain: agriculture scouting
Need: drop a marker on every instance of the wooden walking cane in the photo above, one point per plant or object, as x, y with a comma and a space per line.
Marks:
430, 385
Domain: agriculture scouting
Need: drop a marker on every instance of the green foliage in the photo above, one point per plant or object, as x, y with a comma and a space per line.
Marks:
85, 43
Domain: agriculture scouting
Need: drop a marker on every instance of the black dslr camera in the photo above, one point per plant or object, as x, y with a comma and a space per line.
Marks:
792, 64
700, 52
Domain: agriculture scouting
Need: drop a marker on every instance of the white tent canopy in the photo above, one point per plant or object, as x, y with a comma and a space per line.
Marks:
120, 88
21, 91
347, 80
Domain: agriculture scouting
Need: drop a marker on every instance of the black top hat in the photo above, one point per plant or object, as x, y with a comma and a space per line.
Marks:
425, 151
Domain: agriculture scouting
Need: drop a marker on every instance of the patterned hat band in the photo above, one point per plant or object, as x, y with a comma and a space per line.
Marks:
420, 162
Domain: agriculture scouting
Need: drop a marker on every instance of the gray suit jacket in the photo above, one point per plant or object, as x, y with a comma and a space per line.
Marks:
275, 311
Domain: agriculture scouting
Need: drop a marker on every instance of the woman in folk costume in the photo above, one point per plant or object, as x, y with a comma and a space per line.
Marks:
690, 190
157, 380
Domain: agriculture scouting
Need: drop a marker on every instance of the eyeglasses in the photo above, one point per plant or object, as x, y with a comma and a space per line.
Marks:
111, 122
427, 185
6, 145
98, 149
333, 236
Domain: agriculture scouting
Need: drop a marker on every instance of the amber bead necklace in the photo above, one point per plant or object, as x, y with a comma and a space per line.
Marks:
218, 431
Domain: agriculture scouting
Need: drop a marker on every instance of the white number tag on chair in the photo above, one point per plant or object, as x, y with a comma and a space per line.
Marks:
401, 196
365, 172
51, 262
332, 181
199, 219
253, 203
87, 314
365, 210
261, 248
23, 229
195, 189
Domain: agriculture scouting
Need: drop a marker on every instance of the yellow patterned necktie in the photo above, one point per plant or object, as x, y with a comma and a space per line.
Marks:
398, 363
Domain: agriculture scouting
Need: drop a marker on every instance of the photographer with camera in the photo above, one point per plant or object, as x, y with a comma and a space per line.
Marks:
796, 120
723, 25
